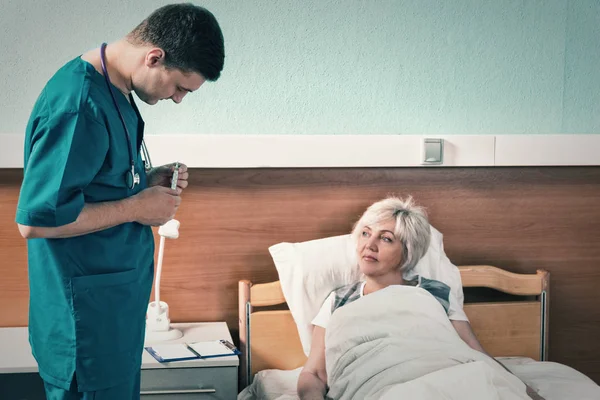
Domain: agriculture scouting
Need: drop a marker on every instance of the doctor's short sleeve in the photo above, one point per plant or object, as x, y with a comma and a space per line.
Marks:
63, 154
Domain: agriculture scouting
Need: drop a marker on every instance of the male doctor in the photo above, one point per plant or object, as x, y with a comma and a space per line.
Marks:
86, 216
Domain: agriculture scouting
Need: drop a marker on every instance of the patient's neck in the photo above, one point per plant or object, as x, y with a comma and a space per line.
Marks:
375, 283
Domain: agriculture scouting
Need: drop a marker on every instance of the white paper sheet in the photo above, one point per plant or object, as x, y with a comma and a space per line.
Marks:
172, 351
210, 349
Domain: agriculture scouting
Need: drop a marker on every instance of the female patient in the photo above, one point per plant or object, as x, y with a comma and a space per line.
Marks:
391, 237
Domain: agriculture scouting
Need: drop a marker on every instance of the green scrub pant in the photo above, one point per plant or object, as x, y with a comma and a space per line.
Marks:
129, 390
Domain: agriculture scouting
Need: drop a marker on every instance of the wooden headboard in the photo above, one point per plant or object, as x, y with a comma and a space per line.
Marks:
269, 339
521, 219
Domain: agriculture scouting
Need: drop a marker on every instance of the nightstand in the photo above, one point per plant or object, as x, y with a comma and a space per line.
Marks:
213, 378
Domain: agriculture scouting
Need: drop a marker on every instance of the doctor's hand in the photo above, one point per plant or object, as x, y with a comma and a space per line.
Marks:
161, 176
154, 206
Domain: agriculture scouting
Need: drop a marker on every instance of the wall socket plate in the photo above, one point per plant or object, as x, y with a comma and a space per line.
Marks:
432, 151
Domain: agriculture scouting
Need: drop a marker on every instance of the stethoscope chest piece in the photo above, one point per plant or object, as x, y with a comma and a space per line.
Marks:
132, 178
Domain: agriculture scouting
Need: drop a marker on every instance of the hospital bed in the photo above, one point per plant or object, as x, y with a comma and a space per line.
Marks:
515, 332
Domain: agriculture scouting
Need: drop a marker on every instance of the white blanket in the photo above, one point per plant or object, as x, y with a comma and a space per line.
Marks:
554, 381
398, 343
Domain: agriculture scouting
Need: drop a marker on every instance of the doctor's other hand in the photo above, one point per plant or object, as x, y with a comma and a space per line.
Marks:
161, 176
155, 205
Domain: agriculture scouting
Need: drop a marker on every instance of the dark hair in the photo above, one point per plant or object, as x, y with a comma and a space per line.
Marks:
189, 35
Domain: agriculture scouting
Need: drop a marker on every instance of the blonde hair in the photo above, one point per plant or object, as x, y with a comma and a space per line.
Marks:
412, 227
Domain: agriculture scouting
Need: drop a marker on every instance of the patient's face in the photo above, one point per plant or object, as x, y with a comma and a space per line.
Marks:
379, 251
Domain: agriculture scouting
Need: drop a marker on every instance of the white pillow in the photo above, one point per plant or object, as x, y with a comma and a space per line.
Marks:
309, 271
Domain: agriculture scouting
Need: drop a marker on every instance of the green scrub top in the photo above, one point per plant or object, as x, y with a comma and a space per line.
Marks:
88, 294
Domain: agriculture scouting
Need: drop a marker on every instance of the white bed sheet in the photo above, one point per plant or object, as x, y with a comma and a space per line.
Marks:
554, 381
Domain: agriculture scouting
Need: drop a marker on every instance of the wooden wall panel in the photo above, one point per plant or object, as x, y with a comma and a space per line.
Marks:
520, 219
14, 290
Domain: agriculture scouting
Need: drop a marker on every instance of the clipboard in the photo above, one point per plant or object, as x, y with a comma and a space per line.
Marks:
171, 352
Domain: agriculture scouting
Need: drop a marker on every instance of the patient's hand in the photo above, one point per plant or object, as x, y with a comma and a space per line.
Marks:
312, 383
533, 394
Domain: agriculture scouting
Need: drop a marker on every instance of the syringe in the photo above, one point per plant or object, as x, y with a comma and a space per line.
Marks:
175, 176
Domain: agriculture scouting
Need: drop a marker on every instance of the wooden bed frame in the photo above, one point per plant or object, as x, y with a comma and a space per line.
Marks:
269, 339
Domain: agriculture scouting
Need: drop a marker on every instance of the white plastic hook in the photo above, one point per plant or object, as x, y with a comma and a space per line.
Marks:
170, 230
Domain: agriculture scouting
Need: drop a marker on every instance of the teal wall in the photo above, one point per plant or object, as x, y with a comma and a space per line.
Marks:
343, 66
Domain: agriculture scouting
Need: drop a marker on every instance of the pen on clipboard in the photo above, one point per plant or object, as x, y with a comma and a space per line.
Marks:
192, 350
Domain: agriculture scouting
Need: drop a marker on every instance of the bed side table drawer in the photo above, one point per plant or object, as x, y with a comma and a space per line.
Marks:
201, 379
183, 383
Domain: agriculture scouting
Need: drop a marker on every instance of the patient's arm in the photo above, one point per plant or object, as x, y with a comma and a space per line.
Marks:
464, 330
312, 383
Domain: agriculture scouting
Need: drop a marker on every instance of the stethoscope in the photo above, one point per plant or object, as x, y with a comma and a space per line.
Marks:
132, 178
